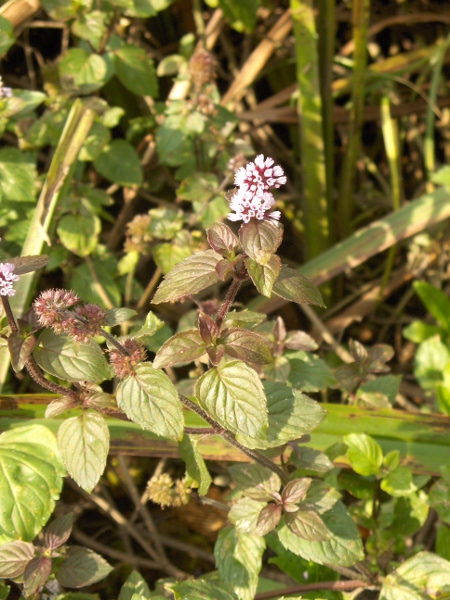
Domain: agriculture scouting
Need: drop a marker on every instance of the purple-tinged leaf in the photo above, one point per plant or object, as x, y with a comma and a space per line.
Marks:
215, 354
244, 514
14, 557
20, 348
246, 346
268, 518
191, 275
82, 567
256, 482
296, 490
234, 397
58, 532
224, 267
321, 497
60, 405
27, 264
208, 328
36, 574
264, 276
260, 239
299, 340
279, 330
222, 239
182, 348
307, 524
291, 285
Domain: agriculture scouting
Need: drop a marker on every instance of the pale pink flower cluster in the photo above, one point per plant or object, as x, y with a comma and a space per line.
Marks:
253, 198
7, 278
5, 92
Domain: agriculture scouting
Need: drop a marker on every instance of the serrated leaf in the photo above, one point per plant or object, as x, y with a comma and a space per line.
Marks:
79, 233
307, 524
296, 489
246, 346
85, 70
136, 70
84, 445
119, 163
14, 557
182, 348
308, 373
244, 318
424, 575
36, 574
62, 357
260, 239
291, 285
268, 518
239, 560
197, 472
82, 567
30, 480
190, 276
244, 514
299, 340
199, 589
364, 453
151, 400
344, 548
20, 348
58, 532
322, 497
311, 460
234, 397
255, 481
264, 276
134, 584
222, 239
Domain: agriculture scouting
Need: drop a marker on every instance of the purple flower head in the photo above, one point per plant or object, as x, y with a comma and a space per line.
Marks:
253, 198
7, 278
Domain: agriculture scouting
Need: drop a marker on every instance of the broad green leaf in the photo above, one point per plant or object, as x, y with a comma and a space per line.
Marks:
119, 162
410, 513
62, 357
61, 10
173, 146
436, 302
307, 524
79, 233
239, 560
165, 223
241, 14
18, 176
264, 276
439, 499
246, 346
321, 496
388, 385
93, 289
189, 277
234, 397
91, 27
81, 567
181, 348
22, 103
200, 187
87, 71
30, 481
344, 548
199, 589
114, 316
244, 514
255, 481
84, 444
443, 542
134, 584
136, 70
14, 557
196, 470
429, 362
291, 285
7, 37
418, 331
312, 460
308, 372
212, 212
399, 482
166, 256
150, 399
364, 453
96, 140
260, 239
244, 318
423, 576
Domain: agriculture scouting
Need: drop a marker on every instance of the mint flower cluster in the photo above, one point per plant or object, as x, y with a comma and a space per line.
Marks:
7, 278
253, 198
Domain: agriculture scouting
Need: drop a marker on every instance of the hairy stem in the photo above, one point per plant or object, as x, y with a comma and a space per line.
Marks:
228, 301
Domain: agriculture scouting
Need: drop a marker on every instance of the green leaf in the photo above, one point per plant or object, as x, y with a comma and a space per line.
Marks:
84, 445
93, 289
96, 140
307, 524
182, 348
424, 575
18, 176
81, 567
429, 362
62, 357
239, 560
436, 302
119, 162
79, 233
418, 331
364, 453
30, 481
241, 14
410, 513
91, 27
7, 38
14, 557
166, 256
256, 482
234, 397
260, 239
134, 584
88, 72
196, 470
264, 276
439, 499
244, 514
308, 372
136, 70
200, 188
190, 276
443, 542
114, 316
150, 399
28, 264
399, 482
199, 589
291, 285
246, 346
388, 385
344, 548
